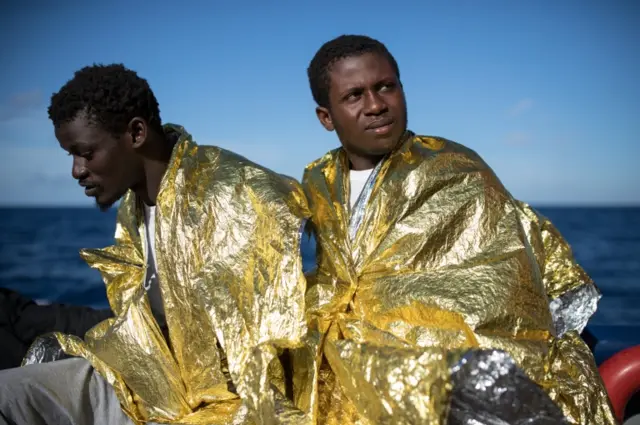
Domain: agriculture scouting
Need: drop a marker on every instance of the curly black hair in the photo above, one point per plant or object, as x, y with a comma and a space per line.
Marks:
110, 95
341, 47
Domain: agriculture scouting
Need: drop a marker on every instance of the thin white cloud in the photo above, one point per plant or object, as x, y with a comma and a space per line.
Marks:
21, 104
520, 107
37, 176
518, 138
290, 160
29, 128
42, 175
32, 175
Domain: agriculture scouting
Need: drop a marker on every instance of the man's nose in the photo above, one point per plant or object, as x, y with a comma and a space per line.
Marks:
79, 168
375, 104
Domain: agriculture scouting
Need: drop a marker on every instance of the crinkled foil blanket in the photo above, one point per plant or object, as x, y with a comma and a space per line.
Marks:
476, 344
437, 258
485, 388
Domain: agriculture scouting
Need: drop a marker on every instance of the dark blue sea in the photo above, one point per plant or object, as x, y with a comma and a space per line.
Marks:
39, 257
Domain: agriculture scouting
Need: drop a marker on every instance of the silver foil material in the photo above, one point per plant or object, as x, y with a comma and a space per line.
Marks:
572, 310
357, 213
44, 349
489, 389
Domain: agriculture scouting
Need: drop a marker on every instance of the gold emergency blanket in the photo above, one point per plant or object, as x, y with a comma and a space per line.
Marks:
435, 259
227, 244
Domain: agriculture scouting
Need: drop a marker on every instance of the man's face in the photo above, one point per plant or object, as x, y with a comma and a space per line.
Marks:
367, 107
105, 165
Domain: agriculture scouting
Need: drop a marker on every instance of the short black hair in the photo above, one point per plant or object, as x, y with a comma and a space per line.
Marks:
341, 47
110, 95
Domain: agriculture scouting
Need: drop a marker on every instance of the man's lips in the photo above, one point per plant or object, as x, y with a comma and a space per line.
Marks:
381, 126
89, 189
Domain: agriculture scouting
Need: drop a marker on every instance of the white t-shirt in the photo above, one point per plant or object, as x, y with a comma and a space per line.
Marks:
151, 278
357, 179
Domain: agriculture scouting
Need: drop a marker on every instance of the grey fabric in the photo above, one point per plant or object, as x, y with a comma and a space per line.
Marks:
22, 321
66, 392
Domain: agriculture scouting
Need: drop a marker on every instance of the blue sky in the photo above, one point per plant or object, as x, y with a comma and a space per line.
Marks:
546, 91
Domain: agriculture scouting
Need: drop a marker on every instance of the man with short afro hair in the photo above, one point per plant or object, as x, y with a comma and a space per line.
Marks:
112, 94
341, 47
204, 279
437, 297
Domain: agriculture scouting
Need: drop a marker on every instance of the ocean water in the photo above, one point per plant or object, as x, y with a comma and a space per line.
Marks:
39, 257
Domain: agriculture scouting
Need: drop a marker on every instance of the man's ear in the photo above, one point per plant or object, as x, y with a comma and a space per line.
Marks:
139, 131
324, 116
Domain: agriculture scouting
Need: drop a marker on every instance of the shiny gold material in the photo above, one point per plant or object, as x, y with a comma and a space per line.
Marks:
443, 260
227, 241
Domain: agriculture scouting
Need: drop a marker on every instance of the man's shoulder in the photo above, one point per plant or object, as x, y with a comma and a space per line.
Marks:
223, 161
227, 168
444, 157
443, 145
454, 153
190, 156
322, 162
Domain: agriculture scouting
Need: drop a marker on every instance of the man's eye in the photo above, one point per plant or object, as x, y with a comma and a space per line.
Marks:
85, 155
353, 96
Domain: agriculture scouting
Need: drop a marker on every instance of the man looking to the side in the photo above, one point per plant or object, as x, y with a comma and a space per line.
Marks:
423, 255
204, 279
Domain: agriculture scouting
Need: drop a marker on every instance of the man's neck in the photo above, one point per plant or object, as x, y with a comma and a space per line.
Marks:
368, 162
155, 166
154, 171
361, 163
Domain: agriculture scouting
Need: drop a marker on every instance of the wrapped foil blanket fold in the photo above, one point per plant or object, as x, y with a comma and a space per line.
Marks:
489, 389
436, 257
438, 299
45, 349
227, 246
476, 387
434, 386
